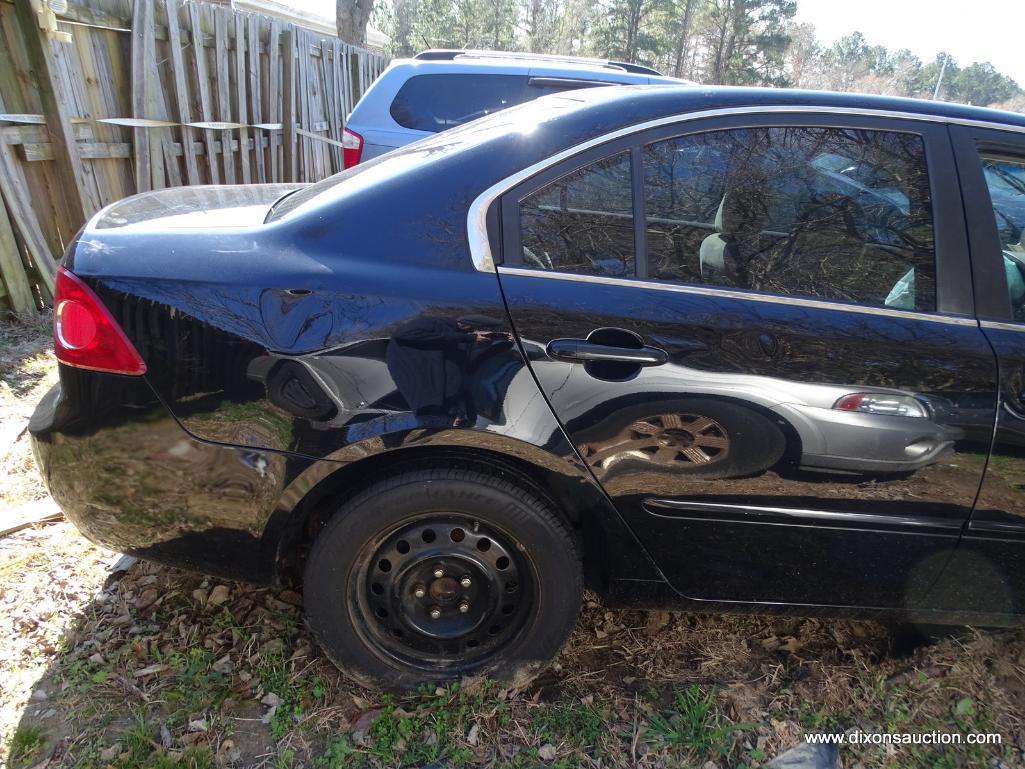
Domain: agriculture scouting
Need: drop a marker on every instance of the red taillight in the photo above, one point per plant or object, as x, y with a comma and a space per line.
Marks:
85, 335
352, 148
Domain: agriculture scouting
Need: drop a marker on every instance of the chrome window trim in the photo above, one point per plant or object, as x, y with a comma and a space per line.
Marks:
476, 220
699, 290
1003, 326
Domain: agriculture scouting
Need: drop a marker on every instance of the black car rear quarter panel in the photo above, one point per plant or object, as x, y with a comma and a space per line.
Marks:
127, 475
280, 354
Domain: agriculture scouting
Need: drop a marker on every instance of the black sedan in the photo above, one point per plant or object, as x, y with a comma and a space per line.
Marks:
712, 349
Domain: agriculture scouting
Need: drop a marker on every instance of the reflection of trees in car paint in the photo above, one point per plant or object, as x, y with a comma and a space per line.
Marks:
838, 214
1001, 502
823, 212
727, 343
432, 361
1006, 181
559, 221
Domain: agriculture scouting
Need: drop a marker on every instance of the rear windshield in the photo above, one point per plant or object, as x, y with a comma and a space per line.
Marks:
436, 102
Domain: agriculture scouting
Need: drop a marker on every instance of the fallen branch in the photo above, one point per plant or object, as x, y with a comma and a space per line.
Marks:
22, 516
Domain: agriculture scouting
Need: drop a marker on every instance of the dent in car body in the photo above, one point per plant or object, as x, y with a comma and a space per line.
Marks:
284, 350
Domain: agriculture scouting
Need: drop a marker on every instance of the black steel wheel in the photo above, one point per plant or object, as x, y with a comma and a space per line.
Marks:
439, 573
444, 587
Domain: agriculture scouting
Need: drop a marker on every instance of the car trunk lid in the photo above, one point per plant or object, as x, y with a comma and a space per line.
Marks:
199, 207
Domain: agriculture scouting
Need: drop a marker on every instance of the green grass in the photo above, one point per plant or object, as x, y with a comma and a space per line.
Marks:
579, 724
339, 753
138, 746
196, 688
417, 730
695, 725
26, 743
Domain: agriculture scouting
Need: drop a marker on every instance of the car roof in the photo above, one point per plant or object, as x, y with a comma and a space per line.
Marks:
670, 99
514, 65
373, 109
450, 54
510, 141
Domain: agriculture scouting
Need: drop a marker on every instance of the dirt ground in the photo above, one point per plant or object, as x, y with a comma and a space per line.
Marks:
148, 666
27, 371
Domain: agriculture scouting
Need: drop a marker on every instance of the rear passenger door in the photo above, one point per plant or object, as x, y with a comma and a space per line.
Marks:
758, 332
989, 570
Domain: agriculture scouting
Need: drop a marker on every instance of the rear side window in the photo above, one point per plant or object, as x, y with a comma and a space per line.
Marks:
437, 102
1005, 178
582, 222
833, 213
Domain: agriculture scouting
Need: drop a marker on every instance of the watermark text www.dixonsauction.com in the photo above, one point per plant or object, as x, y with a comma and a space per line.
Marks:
856, 737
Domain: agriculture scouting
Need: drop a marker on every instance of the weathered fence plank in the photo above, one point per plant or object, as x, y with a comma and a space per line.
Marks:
255, 95
241, 102
15, 194
143, 51
19, 290
290, 172
151, 93
273, 102
55, 109
224, 91
199, 55
181, 90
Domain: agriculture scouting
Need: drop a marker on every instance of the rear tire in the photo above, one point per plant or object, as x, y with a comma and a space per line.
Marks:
439, 573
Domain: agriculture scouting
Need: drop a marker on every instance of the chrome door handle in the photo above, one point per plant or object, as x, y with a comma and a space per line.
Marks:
582, 351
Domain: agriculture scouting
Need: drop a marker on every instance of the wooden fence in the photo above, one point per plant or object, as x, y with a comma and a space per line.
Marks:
127, 96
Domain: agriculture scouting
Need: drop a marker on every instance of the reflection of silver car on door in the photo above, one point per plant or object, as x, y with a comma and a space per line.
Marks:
828, 427
697, 429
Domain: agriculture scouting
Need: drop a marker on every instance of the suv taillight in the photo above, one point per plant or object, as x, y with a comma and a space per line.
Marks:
352, 148
85, 335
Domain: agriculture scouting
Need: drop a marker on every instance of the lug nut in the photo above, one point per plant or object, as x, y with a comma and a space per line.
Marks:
419, 591
438, 572
435, 613
464, 607
465, 582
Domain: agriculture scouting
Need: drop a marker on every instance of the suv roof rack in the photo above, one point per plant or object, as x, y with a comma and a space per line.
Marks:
449, 54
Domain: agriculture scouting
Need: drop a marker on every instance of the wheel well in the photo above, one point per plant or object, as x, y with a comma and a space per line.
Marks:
569, 498
794, 448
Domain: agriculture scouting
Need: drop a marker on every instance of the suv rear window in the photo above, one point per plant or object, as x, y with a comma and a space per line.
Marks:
437, 102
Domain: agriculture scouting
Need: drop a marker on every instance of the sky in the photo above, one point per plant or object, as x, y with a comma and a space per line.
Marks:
970, 30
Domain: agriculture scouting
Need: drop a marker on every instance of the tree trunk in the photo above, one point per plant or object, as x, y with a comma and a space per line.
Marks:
633, 26
404, 12
351, 19
683, 41
534, 26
